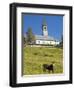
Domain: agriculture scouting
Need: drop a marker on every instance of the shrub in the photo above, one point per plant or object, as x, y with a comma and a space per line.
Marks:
45, 54
35, 53
50, 55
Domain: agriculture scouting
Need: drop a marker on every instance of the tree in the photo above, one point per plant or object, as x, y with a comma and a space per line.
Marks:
30, 36
25, 40
61, 43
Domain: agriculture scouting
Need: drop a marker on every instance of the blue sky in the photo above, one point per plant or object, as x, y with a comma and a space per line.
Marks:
54, 24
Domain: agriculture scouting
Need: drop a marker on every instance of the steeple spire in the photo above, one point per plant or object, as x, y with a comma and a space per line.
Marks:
44, 28
44, 22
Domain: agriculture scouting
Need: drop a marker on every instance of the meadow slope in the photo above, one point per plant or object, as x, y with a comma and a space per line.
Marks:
35, 57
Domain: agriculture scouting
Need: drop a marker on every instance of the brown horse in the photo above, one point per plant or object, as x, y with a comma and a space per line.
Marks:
48, 67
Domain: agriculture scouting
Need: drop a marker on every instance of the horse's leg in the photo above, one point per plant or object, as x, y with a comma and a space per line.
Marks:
52, 70
44, 69
49, 71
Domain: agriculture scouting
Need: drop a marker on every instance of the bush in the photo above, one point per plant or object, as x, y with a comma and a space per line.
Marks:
45, 54
50, 55
35, 53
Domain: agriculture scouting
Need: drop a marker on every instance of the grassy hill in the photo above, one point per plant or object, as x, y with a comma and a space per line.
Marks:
35, 57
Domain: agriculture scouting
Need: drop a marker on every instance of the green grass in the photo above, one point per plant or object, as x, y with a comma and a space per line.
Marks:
35, 57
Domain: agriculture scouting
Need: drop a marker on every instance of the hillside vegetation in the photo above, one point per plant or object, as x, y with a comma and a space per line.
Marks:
35, 57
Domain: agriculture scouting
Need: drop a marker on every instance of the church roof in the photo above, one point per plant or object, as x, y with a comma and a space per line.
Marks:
40, 37
44, 22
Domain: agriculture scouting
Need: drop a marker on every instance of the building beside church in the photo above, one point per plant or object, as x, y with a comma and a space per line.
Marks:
45, 39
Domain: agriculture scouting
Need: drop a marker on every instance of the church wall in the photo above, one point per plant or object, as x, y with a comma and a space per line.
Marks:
57, 43
46, 42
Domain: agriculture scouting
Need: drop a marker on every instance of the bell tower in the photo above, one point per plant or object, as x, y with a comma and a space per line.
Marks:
44, 28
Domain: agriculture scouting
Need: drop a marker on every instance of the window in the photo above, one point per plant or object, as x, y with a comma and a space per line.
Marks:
38, 42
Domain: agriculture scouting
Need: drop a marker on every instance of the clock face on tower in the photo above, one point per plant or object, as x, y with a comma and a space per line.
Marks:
45, 32
45, 28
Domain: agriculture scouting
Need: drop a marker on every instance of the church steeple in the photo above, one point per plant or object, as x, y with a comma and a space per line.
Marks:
44, 28
44, 22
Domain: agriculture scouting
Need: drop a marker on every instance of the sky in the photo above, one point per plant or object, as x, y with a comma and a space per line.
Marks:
54, 24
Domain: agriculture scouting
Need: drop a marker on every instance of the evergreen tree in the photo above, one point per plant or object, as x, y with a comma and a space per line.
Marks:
25, 40
61, 43
30, 36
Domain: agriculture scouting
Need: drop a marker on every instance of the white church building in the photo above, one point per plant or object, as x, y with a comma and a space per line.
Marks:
45, 39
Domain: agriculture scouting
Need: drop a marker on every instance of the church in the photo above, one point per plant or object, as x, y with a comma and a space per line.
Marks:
45, 39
